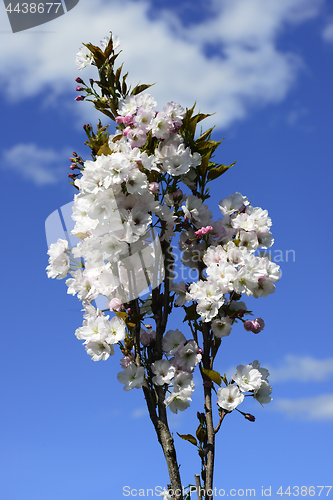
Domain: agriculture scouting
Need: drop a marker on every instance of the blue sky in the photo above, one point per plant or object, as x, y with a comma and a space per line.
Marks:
69, 431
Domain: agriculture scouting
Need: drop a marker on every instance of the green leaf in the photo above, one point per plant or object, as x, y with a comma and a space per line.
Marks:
124, 86
214, 173
140, 88
205, 135
188, 437
109, 47
201, 433
122, 315
213, 376
104, 150
99, 57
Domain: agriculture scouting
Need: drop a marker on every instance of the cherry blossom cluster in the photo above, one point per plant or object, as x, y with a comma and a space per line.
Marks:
100, 333
175, 372
116, 212
227, 253
250, 378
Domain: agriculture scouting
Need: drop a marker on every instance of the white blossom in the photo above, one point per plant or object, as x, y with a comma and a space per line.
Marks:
83, 58
99, 350
247, 378
262, 395
59, 263
132, 376
172, 341
229, 397
187, 356
222, 327
163, 371
178, 401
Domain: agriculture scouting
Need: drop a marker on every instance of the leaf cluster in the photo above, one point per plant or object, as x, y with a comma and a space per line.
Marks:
99, 142
112, 83
206, 147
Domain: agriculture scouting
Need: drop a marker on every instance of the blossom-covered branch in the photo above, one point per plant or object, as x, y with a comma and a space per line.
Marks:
146, 184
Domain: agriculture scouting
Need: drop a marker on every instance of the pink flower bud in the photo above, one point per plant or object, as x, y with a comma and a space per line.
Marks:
250, 417
248, 325
254, 326
79, 98
79, 88
145, 338
203, 231
124, 120
258, 325
128, 120
79, 80
115, 305
126, 360
154, 187
178, 194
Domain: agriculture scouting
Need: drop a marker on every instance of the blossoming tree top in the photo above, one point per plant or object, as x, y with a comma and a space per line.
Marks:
145, 183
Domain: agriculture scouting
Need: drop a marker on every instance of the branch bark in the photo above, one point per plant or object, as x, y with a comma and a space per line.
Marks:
206, 361
157, 412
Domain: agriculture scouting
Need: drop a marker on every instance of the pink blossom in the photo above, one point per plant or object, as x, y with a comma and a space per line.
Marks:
154, 187
126, 360
254, 326
203, 231
125, 120
115, 305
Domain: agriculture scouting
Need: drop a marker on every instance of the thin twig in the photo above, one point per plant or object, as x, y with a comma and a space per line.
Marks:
217, 428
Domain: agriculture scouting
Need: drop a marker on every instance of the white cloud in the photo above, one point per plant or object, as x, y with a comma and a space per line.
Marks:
318, 408
41, 166
328, 32
296, 116
139, 412
249, 70
302, 369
